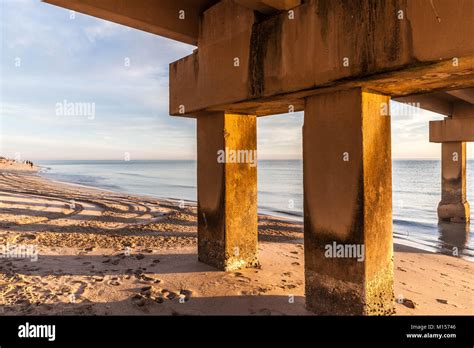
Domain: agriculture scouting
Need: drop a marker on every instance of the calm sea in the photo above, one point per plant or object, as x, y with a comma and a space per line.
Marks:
416, 193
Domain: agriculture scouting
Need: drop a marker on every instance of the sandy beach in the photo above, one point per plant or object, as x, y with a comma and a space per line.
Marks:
104, 253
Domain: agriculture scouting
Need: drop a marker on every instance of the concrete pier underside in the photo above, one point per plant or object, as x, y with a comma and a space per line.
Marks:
340, 62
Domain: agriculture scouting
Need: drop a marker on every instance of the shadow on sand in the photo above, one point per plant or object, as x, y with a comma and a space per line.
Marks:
218, 305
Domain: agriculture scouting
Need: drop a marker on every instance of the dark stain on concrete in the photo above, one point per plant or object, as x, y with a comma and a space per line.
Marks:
315, 240
195, 58
374, 31
211, 233
322, 10
452, 191
260, 38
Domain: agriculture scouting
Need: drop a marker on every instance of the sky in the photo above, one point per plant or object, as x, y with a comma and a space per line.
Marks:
53, 60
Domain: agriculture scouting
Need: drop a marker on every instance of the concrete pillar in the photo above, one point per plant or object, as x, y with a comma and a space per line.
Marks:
453, 206
348, 204
227, 192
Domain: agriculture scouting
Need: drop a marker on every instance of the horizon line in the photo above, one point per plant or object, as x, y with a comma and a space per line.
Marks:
193, 159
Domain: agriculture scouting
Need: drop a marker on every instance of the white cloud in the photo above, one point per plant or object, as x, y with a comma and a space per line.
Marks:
103, 30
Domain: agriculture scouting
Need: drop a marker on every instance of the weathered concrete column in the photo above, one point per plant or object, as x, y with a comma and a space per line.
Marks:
348, 204
453, 132
453, 206
227, 190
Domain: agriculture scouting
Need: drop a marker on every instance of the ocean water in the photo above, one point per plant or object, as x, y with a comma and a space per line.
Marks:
416, 193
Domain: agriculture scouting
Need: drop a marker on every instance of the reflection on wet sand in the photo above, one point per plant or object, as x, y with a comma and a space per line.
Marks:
453, 237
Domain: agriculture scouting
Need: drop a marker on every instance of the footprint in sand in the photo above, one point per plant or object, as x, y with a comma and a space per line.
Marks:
241, 277
155, 262
114, 282
81, 288
146, 291
65, 290
170, 295
139, 300
265, 311
144, 278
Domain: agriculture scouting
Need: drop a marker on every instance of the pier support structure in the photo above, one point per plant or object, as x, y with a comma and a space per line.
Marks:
454, 206
348, 205
453, 133
227, 190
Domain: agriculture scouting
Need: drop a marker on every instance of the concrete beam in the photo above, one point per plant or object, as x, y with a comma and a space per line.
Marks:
227, 190
162, 17
466, 94
452, 130
269, 6
329, 44
463, 110
158, 17
348, 204
453, 206
432, 102
447, 103
282, 4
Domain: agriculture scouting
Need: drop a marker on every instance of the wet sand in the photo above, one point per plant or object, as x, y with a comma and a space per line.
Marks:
109, 253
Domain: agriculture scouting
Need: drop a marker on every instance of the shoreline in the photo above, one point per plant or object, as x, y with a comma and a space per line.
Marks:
408, 245
401, 246
263, 211
82, 257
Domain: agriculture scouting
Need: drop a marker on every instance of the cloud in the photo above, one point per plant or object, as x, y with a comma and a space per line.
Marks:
103, 30
124, 72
